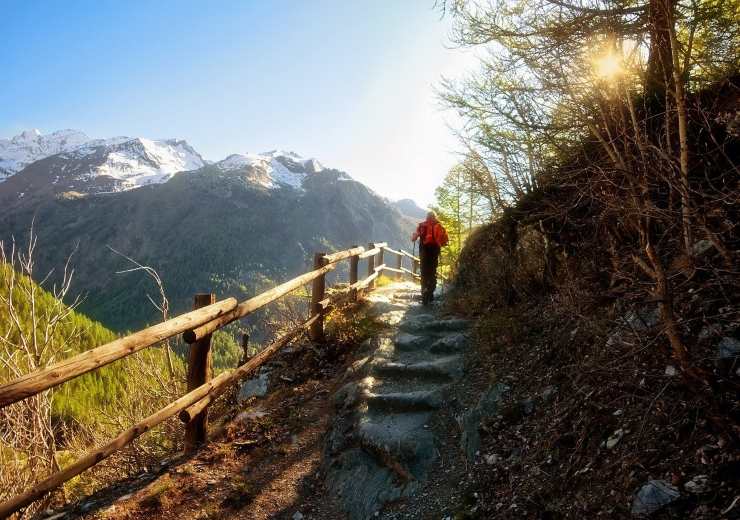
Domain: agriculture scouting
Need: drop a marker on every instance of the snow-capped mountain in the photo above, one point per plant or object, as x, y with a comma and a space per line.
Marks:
272, 169
76, 162
245, 219
133, 162
69, 161
30, 146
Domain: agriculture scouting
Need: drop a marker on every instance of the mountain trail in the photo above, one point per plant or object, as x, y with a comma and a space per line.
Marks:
344, 432
390, 436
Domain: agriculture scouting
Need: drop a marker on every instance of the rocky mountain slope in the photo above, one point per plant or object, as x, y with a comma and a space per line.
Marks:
409, 208
69, 161
233, 227
30, 146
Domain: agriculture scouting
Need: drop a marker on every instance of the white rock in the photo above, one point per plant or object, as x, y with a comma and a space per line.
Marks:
698, 485
492, 459
671, 371
253, 387
728, 348
701, 247
615, 438
297, 515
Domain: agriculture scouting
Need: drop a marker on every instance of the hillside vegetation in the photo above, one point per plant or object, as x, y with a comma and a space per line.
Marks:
46, 431
79, 399
605, 279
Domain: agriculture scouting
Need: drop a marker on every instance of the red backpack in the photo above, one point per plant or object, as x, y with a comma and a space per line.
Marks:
433, 233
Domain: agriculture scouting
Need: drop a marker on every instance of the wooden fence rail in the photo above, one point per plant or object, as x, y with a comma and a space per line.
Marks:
40, 380
196, 328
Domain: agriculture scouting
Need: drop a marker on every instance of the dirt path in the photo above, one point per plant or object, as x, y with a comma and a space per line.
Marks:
265, 465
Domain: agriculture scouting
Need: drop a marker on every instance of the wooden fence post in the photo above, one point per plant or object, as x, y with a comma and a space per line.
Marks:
354, 262
245, 349
414, 265
371, 267
199, 372
399, 265
381, 260
316, 332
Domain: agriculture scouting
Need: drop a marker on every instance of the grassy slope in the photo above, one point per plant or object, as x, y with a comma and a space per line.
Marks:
84, 397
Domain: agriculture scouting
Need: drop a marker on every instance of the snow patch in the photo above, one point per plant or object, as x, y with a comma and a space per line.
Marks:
273, 169
139, 162
31, 145
134, 162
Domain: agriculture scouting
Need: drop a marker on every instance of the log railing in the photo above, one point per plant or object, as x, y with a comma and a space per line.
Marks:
196, 328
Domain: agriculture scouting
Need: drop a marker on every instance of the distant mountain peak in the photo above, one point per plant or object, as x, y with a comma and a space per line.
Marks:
114, 164
282, 153
27, 136
31, 145
410, 208
274, 168
84, 165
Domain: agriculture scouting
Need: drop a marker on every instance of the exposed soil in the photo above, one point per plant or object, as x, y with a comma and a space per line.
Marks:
263, 467
592, 415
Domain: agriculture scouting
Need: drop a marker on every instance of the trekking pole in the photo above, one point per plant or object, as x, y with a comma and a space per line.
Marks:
413, 257
413, 250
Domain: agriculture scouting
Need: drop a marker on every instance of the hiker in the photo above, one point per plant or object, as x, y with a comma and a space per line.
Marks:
433, 237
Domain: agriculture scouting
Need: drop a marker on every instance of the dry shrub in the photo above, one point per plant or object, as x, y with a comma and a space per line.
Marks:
500, 265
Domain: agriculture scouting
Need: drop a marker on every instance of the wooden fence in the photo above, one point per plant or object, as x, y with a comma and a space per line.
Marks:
196, 328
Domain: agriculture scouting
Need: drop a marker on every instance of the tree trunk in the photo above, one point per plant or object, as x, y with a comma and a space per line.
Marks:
659, 73
683, 141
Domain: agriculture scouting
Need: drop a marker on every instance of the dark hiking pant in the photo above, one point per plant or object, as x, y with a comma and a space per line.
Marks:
429, 258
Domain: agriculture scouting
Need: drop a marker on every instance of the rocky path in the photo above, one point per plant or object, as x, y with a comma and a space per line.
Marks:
382, 445
343, 432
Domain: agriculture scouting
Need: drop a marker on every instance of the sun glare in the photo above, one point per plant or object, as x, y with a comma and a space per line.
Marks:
608, 66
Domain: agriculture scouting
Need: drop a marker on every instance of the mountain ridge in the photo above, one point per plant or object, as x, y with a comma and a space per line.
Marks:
231, 227
123, 163
410, 208
30, 145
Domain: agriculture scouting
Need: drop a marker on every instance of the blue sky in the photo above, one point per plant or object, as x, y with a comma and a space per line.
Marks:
348, 82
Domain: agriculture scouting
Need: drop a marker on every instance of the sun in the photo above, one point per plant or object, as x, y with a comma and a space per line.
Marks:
608, 65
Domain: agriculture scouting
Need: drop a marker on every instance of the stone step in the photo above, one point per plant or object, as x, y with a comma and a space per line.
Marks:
400, 440
406, 342
381, 446
408, 296
423, 400
363, 483
442, 369
428, 323
450, 344
417, 322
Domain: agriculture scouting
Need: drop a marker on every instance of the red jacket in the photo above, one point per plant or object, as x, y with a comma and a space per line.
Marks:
431, 232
